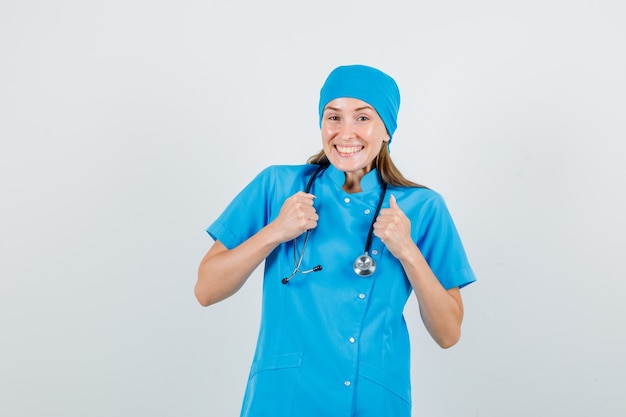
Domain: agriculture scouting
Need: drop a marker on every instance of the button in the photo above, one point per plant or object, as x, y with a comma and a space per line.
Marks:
374, 252
352, 340
361, 296
346, 200
367, 211
346, 383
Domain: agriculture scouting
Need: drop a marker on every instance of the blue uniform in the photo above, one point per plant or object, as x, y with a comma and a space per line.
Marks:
332, 343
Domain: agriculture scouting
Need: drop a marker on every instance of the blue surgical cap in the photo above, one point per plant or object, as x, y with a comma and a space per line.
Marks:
365, 83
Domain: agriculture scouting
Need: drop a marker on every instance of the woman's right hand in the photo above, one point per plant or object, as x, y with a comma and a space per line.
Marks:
296, 216
223, 271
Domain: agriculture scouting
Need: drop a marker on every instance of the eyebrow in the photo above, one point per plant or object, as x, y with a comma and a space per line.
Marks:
357, 109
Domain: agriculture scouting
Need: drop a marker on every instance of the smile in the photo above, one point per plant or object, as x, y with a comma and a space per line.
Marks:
348, 149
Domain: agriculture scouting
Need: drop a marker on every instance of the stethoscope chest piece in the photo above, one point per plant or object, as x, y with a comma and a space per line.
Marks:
364, 265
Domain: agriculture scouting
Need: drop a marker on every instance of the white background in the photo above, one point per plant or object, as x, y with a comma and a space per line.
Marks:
127, 126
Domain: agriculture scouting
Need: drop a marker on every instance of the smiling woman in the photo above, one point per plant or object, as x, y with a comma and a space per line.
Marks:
351, 125
350, 354
352, 136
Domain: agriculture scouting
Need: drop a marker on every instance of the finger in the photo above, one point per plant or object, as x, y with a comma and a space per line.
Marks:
304, 200
305, 195
392, 202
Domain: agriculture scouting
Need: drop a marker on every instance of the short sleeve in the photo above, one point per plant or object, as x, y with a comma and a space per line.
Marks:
441, 245
247, 213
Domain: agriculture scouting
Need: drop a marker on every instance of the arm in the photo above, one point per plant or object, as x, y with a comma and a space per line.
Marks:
222, 271
441, 309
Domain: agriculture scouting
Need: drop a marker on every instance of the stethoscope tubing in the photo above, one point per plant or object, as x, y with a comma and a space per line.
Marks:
364, 265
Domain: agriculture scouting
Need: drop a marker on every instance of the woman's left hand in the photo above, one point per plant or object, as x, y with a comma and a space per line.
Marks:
393, 227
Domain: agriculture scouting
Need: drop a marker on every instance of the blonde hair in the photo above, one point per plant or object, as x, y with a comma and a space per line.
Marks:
387, 169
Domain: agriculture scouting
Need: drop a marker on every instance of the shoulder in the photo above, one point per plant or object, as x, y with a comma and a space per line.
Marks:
419, 201
273, 174
283, 178
417, 194
287, 170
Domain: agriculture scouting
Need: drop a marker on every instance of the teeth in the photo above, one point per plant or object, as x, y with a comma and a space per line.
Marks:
349, 149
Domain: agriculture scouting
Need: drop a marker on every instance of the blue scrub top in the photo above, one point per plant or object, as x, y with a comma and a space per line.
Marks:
332, 343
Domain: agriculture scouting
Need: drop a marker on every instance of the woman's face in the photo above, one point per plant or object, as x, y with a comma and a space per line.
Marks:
352, 135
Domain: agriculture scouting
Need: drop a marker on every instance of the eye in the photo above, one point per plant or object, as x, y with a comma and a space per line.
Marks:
333, 117
362, 118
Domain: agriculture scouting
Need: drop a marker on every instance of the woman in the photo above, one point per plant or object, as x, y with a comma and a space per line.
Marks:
345, 239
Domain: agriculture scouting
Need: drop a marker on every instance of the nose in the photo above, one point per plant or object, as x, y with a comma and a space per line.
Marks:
346, 130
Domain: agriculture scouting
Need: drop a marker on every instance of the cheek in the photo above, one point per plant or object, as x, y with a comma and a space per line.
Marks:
380, 131
326, 135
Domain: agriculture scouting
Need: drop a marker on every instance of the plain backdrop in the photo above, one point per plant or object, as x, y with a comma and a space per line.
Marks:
127, 126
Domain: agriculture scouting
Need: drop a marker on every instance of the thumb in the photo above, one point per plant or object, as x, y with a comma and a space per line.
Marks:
392, 202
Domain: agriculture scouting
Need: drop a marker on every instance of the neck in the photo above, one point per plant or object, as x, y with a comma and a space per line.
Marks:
353, 181
351, 187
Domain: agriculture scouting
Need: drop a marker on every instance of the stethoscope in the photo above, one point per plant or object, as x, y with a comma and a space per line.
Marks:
364, 265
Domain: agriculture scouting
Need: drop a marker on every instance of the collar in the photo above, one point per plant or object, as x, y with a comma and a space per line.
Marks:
369, 182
